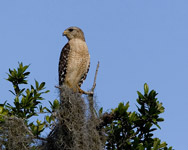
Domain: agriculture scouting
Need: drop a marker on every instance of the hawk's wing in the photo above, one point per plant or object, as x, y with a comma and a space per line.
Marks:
63, 63
83, 77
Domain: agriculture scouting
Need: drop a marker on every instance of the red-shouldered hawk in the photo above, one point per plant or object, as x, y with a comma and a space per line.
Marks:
74, 60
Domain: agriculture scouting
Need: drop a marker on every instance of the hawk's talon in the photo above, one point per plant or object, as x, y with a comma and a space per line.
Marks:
84, 92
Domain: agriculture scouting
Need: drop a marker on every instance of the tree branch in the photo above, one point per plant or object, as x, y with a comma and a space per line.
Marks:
91, 92
94, 82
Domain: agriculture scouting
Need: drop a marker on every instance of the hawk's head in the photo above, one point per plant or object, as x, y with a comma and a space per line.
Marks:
74, 32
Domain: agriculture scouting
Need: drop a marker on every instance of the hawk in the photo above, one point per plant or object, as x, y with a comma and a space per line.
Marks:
74, 60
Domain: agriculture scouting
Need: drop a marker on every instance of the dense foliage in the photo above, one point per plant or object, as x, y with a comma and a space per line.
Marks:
121, 128
27, 104
134, 130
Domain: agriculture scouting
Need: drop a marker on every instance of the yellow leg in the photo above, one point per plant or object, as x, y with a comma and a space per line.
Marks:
80, 90
77, 89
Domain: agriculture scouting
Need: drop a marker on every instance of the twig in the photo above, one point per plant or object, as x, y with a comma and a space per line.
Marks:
91, 92
94, 82
58, 87
90, 95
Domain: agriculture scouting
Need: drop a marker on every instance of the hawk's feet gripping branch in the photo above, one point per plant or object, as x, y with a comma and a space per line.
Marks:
84, 92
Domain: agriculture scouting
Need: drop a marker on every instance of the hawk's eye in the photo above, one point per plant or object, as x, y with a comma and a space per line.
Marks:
70, 30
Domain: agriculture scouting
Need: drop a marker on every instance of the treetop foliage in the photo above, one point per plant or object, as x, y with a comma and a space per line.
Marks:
116, 130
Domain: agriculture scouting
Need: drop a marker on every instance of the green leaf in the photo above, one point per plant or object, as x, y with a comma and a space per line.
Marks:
156, 144
47, 91
56, 104
1, 109
38, 122
126, 106
160, 107
50, 103
12, 92
120, 108
146, 89
163, 145
41, 127
36, 84
140, 95
25, 68
160, 119
48, 119
41, 109
41, 86
100, 111
133, 116
152, 94
26, 74
48, 109
157, 125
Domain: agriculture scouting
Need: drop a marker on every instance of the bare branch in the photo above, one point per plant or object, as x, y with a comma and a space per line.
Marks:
91, 92
58, 87
94, 82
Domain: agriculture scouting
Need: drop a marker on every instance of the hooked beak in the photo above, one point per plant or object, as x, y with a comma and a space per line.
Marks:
65, 33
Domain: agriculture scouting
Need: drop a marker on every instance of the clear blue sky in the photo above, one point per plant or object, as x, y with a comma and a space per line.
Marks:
136, 41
